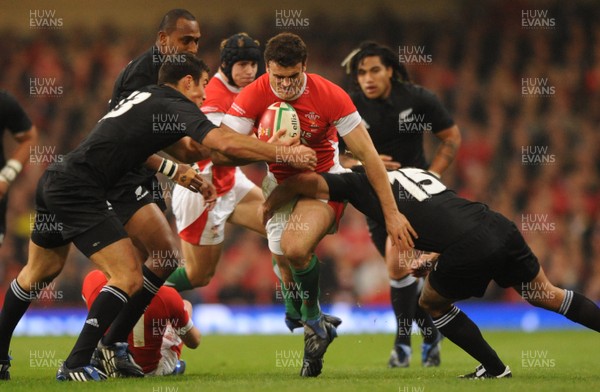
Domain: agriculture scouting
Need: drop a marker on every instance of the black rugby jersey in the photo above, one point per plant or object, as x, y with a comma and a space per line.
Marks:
149, 120
437, 214
140, 72
397, 124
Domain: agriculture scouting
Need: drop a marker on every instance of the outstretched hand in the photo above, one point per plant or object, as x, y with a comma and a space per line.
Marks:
401, 232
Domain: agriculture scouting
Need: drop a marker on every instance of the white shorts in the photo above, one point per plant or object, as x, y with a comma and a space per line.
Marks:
198, 226
281, 219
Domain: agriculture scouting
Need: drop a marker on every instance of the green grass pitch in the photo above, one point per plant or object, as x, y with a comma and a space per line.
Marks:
543, 361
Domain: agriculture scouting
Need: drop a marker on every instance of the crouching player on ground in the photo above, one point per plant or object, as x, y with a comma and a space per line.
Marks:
159, 335
476, 245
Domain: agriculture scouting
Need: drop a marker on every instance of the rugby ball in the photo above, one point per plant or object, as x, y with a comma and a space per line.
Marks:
278, 115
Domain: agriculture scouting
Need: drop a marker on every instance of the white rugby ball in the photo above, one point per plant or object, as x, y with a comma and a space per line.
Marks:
279, 115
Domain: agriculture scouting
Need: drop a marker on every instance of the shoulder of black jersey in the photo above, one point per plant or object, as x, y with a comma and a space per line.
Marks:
414, 89
145, 65
7, 98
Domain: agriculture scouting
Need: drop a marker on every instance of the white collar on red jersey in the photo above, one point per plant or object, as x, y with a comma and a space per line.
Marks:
233, 89
295, 96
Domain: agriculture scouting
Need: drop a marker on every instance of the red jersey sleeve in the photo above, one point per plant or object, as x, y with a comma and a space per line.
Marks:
249, 105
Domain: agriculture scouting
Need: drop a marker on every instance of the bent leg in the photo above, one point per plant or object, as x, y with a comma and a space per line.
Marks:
200, 262
149, 227
574, 306
459, 329
245, 213
119, 260
305, 226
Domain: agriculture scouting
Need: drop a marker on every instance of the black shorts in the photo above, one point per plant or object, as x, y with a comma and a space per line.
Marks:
494, 250
135, 190
69, 209
378, 235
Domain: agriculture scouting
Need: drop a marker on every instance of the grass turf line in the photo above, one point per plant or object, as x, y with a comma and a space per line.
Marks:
544, 361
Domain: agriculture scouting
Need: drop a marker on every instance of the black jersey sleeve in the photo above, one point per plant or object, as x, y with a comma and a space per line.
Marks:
355, 188
435, 112
197, 125
13, 117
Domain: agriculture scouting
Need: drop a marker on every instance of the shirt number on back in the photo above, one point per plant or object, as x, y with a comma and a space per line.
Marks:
127, 103
419, 183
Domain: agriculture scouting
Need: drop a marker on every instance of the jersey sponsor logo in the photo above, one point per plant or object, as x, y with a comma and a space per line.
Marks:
93, 322
140, 193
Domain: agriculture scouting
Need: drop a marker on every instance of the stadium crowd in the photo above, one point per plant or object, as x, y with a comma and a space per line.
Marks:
524, 99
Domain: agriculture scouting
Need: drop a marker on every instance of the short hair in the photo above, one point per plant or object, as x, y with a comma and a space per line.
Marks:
286, 49
169, 22
177, 66
385, 54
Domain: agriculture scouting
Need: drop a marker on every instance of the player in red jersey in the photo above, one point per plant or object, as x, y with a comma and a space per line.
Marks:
157, 338
325, 111
201, 230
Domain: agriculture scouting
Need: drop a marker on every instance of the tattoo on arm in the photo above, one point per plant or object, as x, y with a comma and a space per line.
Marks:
447, 150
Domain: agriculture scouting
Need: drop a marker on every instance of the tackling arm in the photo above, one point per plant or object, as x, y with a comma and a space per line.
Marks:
305, 184
233, 144
398, 227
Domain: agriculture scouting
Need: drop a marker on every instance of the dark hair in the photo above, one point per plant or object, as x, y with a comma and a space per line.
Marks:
177, 66
238, 47
385, 54
169, 22
286, 49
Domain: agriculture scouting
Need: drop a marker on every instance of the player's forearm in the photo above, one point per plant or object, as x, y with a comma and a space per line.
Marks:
446, 151
19, 158
348, 161
378, 178
237, 146
305, 184
221, 159
187, 150
192, 338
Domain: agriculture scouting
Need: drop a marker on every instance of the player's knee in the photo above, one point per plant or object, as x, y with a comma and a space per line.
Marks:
29, 277
425, 304
199, 276
298, 256
131, 284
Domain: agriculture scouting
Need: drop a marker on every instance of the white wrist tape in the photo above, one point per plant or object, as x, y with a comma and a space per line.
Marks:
10, 171
168, 168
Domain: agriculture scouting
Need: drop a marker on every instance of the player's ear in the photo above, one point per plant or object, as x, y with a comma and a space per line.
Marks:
163, 38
